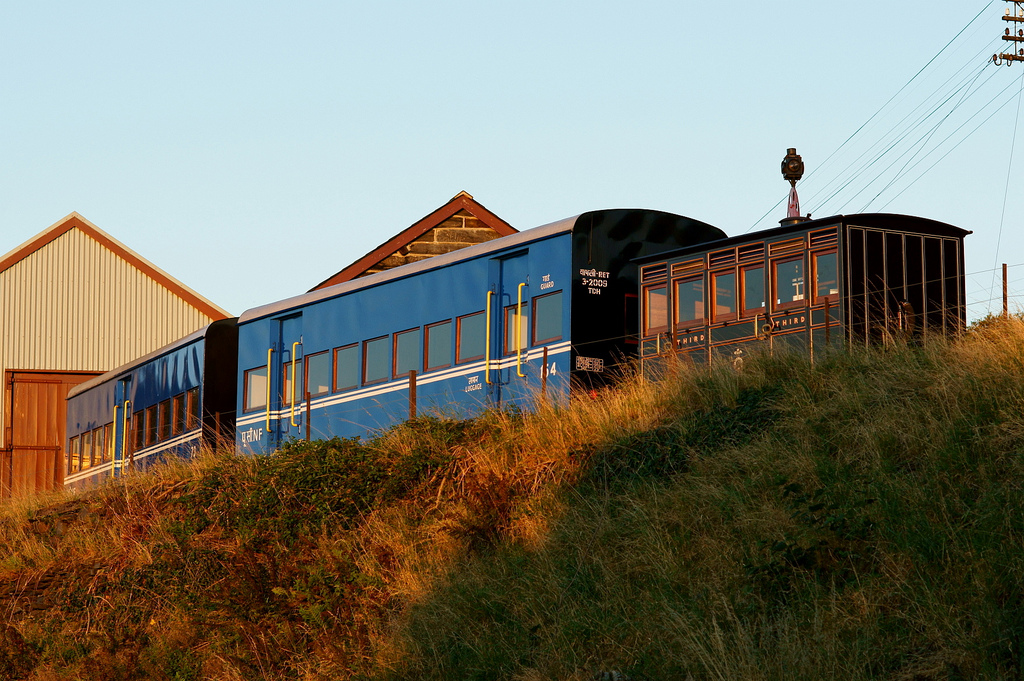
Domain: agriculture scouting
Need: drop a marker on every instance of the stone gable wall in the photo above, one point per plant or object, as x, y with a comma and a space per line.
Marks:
458, 231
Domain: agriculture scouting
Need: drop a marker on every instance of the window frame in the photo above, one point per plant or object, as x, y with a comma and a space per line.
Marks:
74, 462
194, 409
524, 330
427, 366
334, 372
533, 320
394, 352
716, 316
459, 359
151, 425
701, 320
163, 431
749, 311
649, 330
782, 260
305, 374
386, 344
246, 409
830, 297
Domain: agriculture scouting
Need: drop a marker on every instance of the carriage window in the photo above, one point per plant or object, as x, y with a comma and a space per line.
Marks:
164, 412
547, 318
139, 430
346, 367
753, 289
516, 317
318, 374
108, 439
74, 453
194, 417
255, 389
151, 425
178, 414
376, 360
655, 309
689, 301
438, 353
826, 277
97, 446
86, 450
724, 285
407, 352
471, 331
288, 393
789, 282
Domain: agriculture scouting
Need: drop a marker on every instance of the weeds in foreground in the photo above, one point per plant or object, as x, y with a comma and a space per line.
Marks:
859, 518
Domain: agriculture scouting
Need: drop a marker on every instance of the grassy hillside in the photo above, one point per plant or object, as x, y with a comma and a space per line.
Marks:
858, 518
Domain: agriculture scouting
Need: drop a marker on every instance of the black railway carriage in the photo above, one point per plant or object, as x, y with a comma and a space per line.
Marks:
808, 284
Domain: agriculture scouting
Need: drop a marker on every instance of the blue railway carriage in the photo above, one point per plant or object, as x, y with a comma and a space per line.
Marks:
808, 284
172, 401
495, 324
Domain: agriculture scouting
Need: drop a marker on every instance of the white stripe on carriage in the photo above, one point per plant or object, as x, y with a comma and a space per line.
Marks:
397, 385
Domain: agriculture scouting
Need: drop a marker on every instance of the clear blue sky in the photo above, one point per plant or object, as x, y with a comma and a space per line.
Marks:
253, 149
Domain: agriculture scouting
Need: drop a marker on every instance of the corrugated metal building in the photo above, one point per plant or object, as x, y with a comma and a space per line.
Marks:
74, 302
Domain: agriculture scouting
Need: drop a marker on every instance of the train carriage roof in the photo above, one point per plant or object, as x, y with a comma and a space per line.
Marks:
439, 261
124, 368
894, 221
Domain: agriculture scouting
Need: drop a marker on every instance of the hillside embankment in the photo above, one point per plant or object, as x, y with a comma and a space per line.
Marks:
861, 517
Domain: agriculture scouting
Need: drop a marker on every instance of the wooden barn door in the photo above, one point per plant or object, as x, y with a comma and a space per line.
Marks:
35, 425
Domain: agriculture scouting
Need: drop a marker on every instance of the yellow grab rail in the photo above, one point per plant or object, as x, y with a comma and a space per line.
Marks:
114, 421
270, 352
125, 440
294, 381
519, 338
487, 340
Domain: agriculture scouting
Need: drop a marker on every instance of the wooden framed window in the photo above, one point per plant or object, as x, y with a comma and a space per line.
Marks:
689, 308
164, 421
437, 351
788, 283
376, 360
108, 439
547, 318
287, 392
255, 386
471, 333
825, 273
724, 294
138, 430
655, 309
98, 445
194, 408
178, 414
86, 450
406, 352
151, 425
346, 367
74, 455
517, 317
318, 374
752, 290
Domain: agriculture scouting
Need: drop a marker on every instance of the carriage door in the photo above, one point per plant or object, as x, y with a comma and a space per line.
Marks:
509, 329
122, 425
287, 387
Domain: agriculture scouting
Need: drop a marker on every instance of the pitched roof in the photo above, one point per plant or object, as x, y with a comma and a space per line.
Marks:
76, 221
460, 202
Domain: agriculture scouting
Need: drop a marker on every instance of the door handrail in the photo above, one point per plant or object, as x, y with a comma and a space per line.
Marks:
487, 341
124, 433
294, 381
519, 337
270, 352
114, 421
